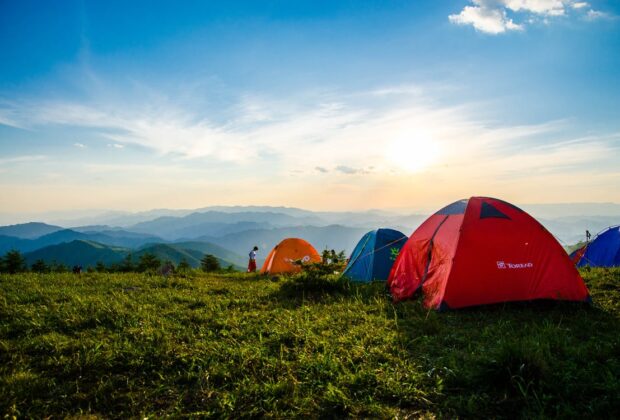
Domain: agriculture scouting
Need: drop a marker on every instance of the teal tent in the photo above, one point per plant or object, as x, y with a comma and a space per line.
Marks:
374, 255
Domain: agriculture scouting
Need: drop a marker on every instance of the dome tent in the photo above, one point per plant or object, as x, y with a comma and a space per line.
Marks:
604, 250
481, 251
280, 259
374, 255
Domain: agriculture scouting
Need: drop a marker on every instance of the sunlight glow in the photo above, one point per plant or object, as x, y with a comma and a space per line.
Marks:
413, 153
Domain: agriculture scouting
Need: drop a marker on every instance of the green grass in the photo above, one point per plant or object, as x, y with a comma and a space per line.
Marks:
130, 345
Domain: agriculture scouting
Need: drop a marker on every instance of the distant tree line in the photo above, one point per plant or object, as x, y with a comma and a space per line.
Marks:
14, 262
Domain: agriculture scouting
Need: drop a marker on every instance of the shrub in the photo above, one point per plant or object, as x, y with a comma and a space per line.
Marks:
13, 262
39, 266
148, 263
184, 266
316, 278
209, 263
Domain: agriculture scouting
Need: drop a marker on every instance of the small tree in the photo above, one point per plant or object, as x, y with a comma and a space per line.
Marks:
13, 262
183, 266
100, 267
209, 263
148, 263
39, 266
57, 267
127, 265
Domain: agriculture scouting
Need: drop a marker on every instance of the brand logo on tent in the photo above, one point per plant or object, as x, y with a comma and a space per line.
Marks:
304, 259
504, 265
394, 253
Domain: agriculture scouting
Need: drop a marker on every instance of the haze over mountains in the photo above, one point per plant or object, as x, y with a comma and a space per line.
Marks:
229, 232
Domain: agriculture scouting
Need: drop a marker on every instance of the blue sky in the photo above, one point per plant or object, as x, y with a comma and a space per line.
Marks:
318, 104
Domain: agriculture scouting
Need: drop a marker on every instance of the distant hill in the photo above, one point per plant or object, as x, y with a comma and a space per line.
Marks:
8, 243
108, 237
213, 223
117, 238
125, 219
166, 252
30, 230
78, 252
88, 253
176, 253
213, 249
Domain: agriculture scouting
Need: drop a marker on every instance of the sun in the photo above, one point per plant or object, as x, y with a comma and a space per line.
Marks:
413, 153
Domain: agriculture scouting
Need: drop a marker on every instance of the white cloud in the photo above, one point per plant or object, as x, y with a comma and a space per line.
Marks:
491, 16
79, 145
541, 7
116, 145
489, 20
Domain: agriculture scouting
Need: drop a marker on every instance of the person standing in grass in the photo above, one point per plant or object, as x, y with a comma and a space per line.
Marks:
252, 262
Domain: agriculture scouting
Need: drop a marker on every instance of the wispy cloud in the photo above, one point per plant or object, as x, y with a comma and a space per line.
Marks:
492, 16
22, 159
8, 114
597, 14
309, 133
351, 171
79, 145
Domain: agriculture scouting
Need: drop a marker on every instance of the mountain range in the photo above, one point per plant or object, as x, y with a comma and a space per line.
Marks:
108, 237
230, 232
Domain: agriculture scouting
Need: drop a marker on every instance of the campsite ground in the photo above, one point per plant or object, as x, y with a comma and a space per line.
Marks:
239, 346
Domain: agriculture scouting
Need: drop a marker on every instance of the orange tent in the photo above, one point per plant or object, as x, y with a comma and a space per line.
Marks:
280, 259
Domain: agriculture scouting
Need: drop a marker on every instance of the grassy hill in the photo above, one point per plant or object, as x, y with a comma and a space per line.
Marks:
89, 253
78, 252
213, 249
245, 346
177, 252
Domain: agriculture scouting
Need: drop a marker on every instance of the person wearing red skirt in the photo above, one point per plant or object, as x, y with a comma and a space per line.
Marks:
252, 262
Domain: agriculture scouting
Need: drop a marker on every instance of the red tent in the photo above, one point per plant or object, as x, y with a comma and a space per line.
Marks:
480, 251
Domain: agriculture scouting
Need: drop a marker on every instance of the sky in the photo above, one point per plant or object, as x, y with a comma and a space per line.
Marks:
324, 105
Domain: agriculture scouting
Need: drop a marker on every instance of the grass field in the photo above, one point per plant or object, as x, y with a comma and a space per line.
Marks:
131, 345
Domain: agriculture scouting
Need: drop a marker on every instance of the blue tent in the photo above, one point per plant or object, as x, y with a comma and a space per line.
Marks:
604, 250
374, 255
